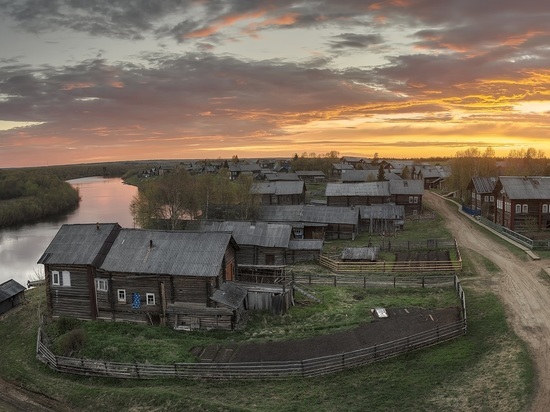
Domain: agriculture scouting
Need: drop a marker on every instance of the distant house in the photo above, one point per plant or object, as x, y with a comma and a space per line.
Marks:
313, 176
398, 191
356, 194
481, 196
280, 192
236, 169
315, 222
523, 203
158, 277
279, 177
12, 294
338, 168
386, 218
433, 176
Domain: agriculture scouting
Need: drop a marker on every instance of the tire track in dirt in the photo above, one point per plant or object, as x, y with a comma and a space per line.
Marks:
519, 286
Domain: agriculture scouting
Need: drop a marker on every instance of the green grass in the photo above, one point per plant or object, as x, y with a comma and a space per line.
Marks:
486, 370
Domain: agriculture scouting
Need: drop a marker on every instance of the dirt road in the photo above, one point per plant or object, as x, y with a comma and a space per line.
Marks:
520, 287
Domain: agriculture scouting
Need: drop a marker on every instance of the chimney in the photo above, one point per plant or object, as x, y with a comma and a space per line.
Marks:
151, 244
97, 226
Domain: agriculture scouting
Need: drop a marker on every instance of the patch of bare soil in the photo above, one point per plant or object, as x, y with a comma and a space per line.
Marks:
520, 287
400, 323
14, 398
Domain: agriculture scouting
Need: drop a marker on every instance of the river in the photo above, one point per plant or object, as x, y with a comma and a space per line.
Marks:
104, 200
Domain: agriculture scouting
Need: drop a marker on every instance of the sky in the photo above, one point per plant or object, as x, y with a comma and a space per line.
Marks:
98, 81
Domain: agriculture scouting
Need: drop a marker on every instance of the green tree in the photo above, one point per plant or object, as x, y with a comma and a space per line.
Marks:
381, 174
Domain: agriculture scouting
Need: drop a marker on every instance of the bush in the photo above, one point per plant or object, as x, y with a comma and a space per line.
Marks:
72, 342
66, 324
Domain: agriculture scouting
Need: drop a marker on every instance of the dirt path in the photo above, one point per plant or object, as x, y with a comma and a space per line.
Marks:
524, 293
14, 399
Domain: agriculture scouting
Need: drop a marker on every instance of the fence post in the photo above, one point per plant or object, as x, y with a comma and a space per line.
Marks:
334, 280
422, 282
137, 369
364, 282
394, 282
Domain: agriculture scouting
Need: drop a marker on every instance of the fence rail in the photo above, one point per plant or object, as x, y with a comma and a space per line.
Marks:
258, 370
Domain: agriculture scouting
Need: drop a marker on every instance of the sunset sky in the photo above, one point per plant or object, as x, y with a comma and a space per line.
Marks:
94, 81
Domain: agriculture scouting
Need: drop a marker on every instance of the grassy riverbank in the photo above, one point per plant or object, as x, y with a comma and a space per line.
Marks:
488, 369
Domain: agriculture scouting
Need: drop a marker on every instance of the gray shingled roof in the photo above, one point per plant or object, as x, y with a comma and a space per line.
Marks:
80, 244
281, 177
278, 188
528, 187
172, 252
261, 234
406, 187
10, 289
358, 189
484, 184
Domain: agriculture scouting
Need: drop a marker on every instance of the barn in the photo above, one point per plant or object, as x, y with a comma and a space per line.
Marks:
12, 294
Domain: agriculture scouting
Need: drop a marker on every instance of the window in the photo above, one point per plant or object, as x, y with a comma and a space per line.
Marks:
415, 199
518, 208
121, 293
492, 198
411, 199
56, 280
101, 285
486, 198
150, 298
525, 208
545, 208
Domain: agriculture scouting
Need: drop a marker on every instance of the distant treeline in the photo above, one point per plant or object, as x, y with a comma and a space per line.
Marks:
27, 196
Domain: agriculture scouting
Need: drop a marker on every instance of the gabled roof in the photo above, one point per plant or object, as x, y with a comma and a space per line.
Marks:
342, 166
310, 214
358, 189
278, 188
527, 187
406, 187
10, 289
80, 244
359, 175
278, 177
305, 244
252, 233
167, 252
483, 184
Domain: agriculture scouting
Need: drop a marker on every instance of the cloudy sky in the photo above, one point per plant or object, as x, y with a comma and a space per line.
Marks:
93, 81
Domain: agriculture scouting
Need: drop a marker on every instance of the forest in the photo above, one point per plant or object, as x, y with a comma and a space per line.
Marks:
27, 196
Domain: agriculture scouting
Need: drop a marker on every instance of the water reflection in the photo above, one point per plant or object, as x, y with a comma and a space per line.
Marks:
103, 200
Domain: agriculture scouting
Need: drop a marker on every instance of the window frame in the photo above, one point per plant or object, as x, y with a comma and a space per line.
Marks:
147, 297
525, 208
56, 274
98, 285
545, 208
119, 295
518, 208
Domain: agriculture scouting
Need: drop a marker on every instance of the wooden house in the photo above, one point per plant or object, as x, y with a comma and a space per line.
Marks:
71, 263
312, 176
236, 169
338, 168
381, 219
523, 203
481, 198
433, 176
279, 177
12, 294
280, 192
167, 277
407, 193
260, 243
357, 194
315, 222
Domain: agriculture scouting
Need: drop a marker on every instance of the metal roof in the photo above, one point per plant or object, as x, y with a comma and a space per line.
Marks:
358, 175
278, 188
253, 233
305, 244
406, 187
526, 187
360, 253
387, 211
310, 214
484, 184
10, 289
167, 252
276, 177
80, 244
358, 189
310, 173
230, 294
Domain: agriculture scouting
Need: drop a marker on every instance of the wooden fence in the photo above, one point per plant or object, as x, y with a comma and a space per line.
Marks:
257, 370
338, 266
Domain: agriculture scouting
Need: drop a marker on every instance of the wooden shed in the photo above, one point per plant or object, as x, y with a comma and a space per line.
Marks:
12, 294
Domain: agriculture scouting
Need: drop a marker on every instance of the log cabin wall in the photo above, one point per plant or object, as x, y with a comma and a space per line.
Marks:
71, 296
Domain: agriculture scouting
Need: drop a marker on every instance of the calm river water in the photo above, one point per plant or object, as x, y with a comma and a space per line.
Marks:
103, 200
